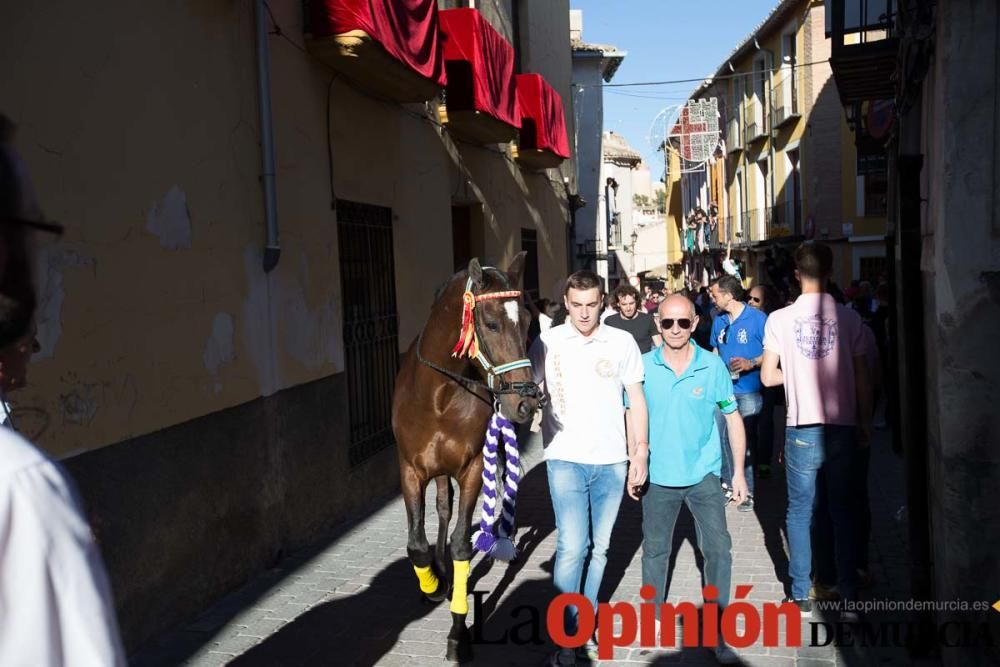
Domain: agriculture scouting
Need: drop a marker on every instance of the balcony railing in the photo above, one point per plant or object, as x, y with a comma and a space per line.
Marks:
865, 64
786, 100
756, 126
591, 249
734, 139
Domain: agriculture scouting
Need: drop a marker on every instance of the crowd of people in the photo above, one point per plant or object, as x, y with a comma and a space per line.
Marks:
670, 398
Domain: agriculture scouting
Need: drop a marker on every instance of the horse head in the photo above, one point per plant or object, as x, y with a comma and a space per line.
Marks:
495, 326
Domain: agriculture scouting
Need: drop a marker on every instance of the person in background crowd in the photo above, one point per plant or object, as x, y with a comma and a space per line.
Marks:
648, 299
730, 265
55, 602
610, 307
629, 318
738, 337
764, 297
819, 344
823, 537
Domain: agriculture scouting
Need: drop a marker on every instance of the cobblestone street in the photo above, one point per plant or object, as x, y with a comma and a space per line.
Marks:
354, 600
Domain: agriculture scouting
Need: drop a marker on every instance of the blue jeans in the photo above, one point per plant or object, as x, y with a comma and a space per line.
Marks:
660, 506
749, 406
585, 499
818, 465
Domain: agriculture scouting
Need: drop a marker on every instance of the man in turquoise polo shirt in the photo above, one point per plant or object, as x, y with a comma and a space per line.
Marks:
683, 386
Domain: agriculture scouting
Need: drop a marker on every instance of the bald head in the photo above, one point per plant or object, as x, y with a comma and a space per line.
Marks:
677, 305
677, 321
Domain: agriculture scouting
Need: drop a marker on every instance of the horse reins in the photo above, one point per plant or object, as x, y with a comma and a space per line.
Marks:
473, 345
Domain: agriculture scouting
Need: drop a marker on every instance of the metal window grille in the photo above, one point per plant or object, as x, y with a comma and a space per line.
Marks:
371, 341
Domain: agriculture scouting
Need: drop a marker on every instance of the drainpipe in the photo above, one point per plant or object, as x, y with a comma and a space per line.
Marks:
272, 249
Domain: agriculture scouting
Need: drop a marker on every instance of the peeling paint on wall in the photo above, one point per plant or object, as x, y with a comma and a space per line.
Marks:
170, 221
52, 262
219, 347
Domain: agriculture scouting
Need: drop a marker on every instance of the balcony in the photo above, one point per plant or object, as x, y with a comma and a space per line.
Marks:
734, 139
390, 50
786, 101
480, 99
756, 125
543, 142
863, 48
591, 249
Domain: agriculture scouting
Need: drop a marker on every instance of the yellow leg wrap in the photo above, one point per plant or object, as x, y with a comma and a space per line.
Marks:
428, 580
459, 595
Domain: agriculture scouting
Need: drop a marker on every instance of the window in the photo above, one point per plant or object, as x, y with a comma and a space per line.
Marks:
789, 83
371, 345
872, 184
872, 268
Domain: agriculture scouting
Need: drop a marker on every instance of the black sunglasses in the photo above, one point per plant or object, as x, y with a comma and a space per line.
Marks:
755, 299
668, 323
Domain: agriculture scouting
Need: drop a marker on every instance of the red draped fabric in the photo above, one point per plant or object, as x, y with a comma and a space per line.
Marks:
406, 29
541, 107
470, 42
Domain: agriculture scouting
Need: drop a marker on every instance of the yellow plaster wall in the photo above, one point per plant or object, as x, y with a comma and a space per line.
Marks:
158, 104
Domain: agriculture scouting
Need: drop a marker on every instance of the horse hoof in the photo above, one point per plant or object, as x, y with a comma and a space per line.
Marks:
459, 650
439, 595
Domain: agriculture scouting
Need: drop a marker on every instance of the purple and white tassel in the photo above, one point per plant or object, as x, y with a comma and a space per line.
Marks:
498, 541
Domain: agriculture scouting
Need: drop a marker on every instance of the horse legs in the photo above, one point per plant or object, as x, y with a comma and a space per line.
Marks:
445, 499
417, 549
459, 638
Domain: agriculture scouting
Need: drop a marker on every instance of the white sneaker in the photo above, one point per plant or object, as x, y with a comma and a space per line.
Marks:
725, 655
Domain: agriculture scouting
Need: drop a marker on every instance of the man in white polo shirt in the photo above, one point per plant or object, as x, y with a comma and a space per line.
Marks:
585, 368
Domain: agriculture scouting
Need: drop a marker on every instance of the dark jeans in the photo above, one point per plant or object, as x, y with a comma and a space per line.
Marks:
660, 507
819, 464
823, 534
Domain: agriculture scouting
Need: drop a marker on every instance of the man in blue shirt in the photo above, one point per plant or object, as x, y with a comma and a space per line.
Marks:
738, 337
684, 387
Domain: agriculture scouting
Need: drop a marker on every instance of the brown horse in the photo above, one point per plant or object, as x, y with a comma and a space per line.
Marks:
440, 413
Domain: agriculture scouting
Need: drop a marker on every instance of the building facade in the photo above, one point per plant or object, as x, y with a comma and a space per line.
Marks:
788, 162
593, 65
217, 354
943, 148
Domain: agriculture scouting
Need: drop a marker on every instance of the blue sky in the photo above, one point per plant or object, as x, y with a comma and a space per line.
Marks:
665, 40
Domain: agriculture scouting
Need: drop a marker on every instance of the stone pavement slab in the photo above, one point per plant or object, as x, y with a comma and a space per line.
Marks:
355, 601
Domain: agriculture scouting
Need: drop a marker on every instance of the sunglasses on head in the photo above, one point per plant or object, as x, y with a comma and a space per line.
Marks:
668, 323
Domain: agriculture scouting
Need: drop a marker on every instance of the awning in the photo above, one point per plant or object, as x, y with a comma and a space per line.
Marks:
392, 48
480, 96
543, 142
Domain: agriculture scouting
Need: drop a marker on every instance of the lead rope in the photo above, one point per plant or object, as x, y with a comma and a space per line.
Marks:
493, 541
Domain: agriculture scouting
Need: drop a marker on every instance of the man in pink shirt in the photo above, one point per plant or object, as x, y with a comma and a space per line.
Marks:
820, 345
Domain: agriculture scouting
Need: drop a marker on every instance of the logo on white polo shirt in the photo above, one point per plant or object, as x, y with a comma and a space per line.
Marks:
604, 368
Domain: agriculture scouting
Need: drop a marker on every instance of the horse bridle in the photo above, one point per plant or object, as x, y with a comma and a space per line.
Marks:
472, 344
